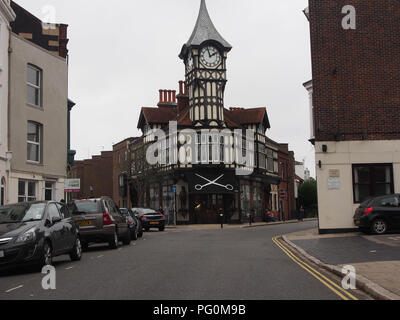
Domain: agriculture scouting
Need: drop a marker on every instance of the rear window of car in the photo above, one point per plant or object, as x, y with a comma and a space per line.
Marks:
366, 203
88, 206
149, 212
391, 201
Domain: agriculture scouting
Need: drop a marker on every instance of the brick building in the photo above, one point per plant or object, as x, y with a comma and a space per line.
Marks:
355, 103
96, 176
287, 185
180, 183
122, 191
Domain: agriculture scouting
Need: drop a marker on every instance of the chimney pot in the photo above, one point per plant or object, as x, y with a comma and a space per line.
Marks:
180, 87
165, 95
174, 96
161, 96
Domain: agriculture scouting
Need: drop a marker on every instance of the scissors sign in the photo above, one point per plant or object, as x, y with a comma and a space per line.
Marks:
200, 187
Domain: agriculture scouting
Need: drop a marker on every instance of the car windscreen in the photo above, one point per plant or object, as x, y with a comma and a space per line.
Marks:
87, 206
22, 213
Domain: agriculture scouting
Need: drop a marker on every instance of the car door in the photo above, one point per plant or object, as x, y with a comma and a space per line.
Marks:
56, 230
120, 220
69, 226
390, 209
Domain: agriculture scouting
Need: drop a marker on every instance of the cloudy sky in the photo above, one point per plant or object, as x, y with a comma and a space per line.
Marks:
123, 51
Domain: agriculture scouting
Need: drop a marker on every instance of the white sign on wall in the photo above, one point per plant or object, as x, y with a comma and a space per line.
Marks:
333, 183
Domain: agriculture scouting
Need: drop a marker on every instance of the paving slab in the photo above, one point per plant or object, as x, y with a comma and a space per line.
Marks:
376, 258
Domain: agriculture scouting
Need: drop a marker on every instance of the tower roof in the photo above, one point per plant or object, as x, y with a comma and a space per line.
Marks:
205, 30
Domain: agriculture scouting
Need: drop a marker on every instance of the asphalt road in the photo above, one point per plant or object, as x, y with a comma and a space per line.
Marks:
234, 264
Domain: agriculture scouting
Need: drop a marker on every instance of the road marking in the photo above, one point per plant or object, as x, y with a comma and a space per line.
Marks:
13, 289
323, 279
100, 256
69, 268
373, 251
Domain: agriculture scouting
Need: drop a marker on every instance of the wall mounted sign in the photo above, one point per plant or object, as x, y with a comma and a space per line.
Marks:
212, 182
333, 183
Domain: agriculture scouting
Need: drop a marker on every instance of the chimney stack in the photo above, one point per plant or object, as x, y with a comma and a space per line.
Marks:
167, 98
183, 97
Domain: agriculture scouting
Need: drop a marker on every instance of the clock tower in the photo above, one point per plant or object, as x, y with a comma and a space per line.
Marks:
205, 57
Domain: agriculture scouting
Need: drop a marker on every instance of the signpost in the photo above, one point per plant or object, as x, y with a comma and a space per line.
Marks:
72, 185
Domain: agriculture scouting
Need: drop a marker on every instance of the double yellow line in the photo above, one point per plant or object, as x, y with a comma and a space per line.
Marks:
345, 295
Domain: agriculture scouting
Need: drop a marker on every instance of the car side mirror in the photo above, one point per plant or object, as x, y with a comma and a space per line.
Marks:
55, 220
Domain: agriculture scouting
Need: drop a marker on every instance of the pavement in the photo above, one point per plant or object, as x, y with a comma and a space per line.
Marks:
181, 264
192, 227
375, 258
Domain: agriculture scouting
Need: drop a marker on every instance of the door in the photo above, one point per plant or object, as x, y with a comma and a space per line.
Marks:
69, 225
120, 220
390, 210
57, 232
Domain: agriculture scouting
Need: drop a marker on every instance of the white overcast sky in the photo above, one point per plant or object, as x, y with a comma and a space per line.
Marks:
123, 51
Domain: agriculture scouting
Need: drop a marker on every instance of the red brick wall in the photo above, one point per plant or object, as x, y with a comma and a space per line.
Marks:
119, 166
287, 171
96, 172
356, 73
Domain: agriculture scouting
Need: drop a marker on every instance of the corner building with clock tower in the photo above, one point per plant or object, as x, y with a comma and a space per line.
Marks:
197, 192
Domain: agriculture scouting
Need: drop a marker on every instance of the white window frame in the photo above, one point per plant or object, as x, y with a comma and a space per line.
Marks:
26, 197
36, 143
36, 87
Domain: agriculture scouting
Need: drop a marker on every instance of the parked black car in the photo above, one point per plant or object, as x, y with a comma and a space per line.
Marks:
135, 226
99, 220
150, 218
379, 215
35, 232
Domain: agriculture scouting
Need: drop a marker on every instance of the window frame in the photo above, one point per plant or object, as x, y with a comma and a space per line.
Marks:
34, 86
373, 183
26, 196
39, 144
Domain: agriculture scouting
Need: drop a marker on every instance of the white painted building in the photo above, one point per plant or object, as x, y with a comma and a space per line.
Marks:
7, 15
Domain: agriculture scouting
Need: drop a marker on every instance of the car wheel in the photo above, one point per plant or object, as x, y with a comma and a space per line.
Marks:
76, 252
379, 226
47, 255
127, 239
114, 241
134, 234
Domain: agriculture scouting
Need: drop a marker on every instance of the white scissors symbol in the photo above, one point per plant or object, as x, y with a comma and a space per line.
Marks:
200, 187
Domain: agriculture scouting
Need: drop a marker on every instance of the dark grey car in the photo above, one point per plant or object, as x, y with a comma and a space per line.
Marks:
35, 232
100, 221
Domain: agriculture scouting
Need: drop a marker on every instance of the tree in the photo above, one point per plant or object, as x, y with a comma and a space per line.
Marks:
308, 194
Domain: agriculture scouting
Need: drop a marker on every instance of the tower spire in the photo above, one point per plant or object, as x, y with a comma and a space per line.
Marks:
205, 30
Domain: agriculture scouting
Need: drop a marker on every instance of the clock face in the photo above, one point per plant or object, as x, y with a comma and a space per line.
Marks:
210, 57
190, 62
